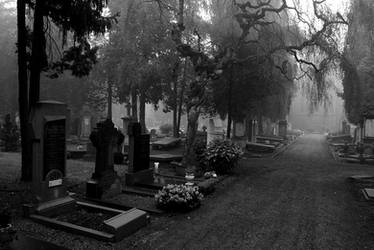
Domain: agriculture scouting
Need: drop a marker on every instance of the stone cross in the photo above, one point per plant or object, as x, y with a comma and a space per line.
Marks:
105, 139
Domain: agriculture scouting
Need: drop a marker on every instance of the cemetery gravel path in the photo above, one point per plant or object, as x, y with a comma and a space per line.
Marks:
299, 200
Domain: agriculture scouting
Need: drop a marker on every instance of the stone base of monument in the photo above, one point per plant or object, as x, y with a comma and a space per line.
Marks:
100, 222
104, 185
260, 147
151, 188
141, 176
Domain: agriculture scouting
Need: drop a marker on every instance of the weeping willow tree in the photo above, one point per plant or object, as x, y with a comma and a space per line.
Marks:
250, 19
76, 21
358, 63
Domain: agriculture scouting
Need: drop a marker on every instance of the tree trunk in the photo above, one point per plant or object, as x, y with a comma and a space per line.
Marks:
180, 104
175, 110
175, 99
109, 101
181, 94
189, 158
23, 103
175, 121
142, 112
134, 105
38, 50
229, 104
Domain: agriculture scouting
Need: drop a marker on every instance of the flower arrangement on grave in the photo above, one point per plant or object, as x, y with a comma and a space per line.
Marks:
181, 197
222, 156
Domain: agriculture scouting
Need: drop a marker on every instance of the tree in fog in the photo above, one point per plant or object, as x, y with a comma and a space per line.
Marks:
358, 62
252, 18
76, 21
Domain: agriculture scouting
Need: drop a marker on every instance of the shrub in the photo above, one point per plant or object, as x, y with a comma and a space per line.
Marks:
178, 198
222, 156
166, 128
200, 149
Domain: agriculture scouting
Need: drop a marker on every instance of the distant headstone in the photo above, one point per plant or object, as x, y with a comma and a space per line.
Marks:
139, 149
282, 131
48, 135
126, 121
239, 129
213, 132
85, 126
251, 130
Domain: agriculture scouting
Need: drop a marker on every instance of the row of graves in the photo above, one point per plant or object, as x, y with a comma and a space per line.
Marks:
353, 144
95, 215
265, 145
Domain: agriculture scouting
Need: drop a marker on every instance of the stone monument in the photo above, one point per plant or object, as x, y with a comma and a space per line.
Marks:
47, 126
126, 121
139, 163
105, 181
85, 126
282, 128
251, 130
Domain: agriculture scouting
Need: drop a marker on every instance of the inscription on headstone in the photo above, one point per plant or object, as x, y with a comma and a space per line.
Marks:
54, 149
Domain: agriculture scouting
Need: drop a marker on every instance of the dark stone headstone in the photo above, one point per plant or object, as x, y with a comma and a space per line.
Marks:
48, 131
139, 149
105, 138
134, 129
139, 152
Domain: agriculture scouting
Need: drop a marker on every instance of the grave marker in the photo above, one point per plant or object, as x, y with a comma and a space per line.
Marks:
104, 138
139, 165
282, 131
48, 135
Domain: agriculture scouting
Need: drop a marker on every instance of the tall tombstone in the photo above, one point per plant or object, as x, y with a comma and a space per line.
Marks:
282, 128
126, 121
210, 130
212, 133
85, 126
239, 129
139, 162
252, 128
105, 138
47, 126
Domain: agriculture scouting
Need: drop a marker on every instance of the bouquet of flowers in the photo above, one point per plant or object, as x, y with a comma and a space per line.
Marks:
178, 197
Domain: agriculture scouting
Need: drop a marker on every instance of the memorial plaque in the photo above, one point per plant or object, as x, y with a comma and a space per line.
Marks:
54, 150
